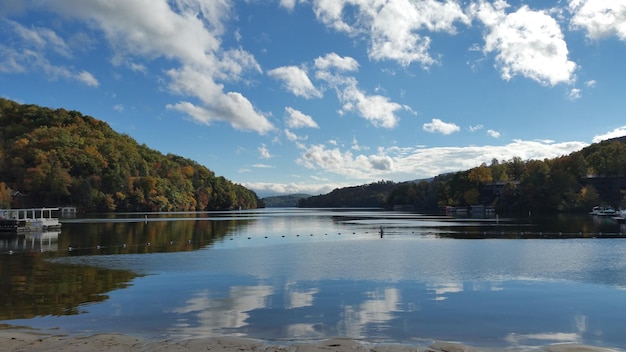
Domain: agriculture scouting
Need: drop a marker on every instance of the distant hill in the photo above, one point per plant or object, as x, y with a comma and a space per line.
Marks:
595, 175
371, 195
290, 200
59, 157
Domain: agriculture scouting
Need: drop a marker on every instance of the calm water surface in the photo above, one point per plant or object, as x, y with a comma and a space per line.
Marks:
290, 274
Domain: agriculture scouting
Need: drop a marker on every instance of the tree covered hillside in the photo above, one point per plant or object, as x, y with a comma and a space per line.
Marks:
60, 157
595, 175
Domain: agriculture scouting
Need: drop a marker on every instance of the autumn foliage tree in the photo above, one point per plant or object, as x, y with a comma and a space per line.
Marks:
60, 157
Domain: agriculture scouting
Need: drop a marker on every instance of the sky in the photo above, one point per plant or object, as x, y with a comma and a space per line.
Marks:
304, 96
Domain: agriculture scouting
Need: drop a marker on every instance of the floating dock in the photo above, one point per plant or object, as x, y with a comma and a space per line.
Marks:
28, 220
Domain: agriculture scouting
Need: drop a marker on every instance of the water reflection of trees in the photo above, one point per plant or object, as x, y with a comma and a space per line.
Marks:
143, 237
32, 286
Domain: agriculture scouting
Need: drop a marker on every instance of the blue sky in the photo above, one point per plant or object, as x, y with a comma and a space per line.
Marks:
291, 96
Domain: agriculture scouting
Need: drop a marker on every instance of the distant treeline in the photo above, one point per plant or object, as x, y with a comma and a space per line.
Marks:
372, 195
595, 175
290, 200
58, 157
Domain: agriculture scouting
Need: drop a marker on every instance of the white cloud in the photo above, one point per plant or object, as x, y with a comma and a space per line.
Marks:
32, 50
356, 146
290, 135
217, 105
493, 133
296, 81
401, 164
392, 26
41, 38
599, 18
333, 61
394, 29
574, 94
327, 159
264, 152
296, 119
590, 83
187, 33
312, 188
528, 43
87, 78
618, 132
262, 166
424, 162
288, 4
438, 126
476, 128
377, 109
232, 107
381, 162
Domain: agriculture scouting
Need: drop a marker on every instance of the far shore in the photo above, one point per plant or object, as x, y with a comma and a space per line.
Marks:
14, 339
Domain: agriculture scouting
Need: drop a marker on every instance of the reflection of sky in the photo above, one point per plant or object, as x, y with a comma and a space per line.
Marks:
377, 309
299, 299
544, 338
204, 315
513, 292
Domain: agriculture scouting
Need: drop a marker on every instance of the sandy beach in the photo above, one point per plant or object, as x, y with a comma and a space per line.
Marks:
36, 341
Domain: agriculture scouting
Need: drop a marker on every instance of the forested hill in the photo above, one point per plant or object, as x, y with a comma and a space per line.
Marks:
372, 195
595, 175
60, 157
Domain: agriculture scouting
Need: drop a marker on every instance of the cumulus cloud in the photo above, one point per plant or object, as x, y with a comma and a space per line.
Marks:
288, 4
332, 69
332, 61
328, 159
493, 133
618, 132
438, 126
297, 119
87, 78
526, 42
295, 81
188, 34
381, 162
393, 26
377, 109
599, 18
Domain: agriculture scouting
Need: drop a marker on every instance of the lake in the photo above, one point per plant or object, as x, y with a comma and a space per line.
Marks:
307, 274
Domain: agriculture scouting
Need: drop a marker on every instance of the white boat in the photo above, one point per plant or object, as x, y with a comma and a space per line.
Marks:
33, 219
603, 211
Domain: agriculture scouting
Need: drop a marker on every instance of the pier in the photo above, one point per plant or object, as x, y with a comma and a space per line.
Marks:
28, 220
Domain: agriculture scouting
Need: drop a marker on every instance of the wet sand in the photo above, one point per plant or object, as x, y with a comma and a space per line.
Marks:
36, 341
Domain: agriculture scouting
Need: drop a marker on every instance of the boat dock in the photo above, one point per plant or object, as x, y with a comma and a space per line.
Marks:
28, 220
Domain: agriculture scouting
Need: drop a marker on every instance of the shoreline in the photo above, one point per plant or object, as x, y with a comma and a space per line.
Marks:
24, 339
